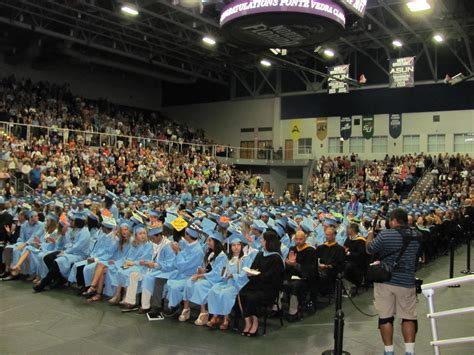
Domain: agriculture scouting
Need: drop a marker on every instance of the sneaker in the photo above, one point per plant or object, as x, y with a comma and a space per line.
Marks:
185, 315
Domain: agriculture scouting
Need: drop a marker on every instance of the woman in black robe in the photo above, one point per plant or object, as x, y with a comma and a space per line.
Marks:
262, 289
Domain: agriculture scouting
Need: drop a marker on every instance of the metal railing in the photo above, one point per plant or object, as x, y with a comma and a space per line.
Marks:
56, 135
428, 292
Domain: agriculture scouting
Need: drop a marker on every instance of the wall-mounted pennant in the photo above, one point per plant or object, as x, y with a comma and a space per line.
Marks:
295, 129
322, 128
368, 127
346, 127
395, 125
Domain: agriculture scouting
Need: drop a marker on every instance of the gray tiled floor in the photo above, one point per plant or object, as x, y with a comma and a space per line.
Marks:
59, 322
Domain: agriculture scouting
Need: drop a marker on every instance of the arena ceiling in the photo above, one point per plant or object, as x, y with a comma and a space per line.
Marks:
164, 41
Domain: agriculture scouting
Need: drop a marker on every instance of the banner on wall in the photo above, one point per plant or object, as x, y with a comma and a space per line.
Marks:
402, 72
295, 129
346, 127
395, 125
368, 127
337, 82
322, 128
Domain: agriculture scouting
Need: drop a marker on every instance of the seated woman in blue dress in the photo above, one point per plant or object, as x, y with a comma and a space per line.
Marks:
222, 296
262, 288
140, 249
36, 246
105, 248
96, 273
76, 248
198, 286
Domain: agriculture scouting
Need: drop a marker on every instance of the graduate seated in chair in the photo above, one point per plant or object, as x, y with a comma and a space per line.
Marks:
189, 260
198, 286
264, 285
104, 249
222, 296
161, 263
356, 259
76, 248
301, 274
96, 273
331, 258
139, 250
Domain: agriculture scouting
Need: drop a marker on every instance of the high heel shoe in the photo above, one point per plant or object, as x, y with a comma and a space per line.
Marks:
252, 335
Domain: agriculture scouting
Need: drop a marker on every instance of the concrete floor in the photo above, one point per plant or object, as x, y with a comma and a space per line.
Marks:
59, 322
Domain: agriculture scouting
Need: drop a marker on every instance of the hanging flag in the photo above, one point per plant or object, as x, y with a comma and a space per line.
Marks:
337, 81
322, 128
395, 124
402, 72
368, 127
295, 129
346, 127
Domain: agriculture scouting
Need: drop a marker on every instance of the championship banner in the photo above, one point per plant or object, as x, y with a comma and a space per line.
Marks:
395, 125
402, 72
336, 86
322, 128
295, 129
368, 127
346, 127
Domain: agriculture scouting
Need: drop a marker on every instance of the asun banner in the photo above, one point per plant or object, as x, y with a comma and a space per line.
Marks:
395, 125
402, 72
322, 128
346, 127
368, 127
337, 83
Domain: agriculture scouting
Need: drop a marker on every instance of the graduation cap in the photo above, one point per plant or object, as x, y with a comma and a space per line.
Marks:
111, 195
207, 225
223, 221
217, 236
109, 223
80, 215
179, 224
292, 224
199, 213
259, 225
155, 230
52, 217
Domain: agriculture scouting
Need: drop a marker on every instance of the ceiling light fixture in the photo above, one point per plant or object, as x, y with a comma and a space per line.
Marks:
438, 38
265, 63
397, 43
418, 5
329, 53
129, 10
209, 40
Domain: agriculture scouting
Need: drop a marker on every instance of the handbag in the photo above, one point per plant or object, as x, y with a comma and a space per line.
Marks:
382, 272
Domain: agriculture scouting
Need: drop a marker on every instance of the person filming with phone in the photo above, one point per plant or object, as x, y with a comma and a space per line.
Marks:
394, 279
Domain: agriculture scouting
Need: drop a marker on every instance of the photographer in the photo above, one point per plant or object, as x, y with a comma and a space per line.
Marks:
398, 295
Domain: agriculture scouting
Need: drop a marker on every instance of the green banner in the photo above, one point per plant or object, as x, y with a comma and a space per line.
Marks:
368, 127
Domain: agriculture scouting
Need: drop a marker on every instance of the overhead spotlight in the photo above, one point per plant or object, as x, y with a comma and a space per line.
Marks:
447, 79
275, 51
362, 79
265, 63
329, 53
438, 38
209, 40
457, 79
317, 49
397, 43
418, 5
129, 10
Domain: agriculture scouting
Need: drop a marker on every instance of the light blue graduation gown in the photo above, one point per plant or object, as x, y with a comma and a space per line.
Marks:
76, 248
356, 208
28, 232
187, 262
135, 253
341, 235
114, 211
222, 296
286, 240
110, 275
166, 266
47, 248
35, 252
104, 249
197, 291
